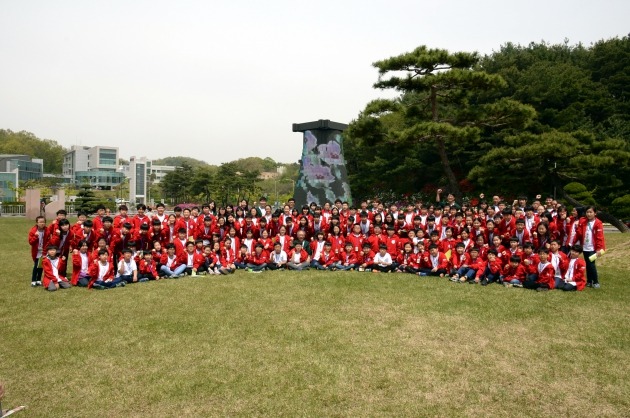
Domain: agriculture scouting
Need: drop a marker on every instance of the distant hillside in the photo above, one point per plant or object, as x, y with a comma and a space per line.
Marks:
177, 161
27, 143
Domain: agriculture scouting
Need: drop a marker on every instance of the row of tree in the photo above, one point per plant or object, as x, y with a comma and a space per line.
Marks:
25, 143
523, 120
228, 183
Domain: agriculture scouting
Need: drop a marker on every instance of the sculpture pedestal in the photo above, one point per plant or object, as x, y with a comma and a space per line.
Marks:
323, 176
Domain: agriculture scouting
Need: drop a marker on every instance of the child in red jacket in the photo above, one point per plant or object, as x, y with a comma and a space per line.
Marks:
514, 273
38, 238
147, 269
574, 274
348, 259
492, 271
434, 263
54, 266
545, 278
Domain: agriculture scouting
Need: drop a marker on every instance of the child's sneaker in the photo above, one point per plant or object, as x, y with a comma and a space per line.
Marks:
121, 284
518, 285
38, 283
507, 285
33, 284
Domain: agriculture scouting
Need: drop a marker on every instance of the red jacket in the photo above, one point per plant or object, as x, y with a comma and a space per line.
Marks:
578, 270
495, 267
303, 255
137, 221
33, 240
94, 272
367, 259
409, 259
170, 263
348, 258
510, 273
327, 259
286, 245
148, 268
227, 257
48, 275
338, 243
427, 262
119, 242
546, 274
597, 231
257, 259
393, 245
357, 241
458, 260
77, 263
197, 261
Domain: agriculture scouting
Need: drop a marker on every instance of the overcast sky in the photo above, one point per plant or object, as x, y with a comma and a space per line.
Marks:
221, 80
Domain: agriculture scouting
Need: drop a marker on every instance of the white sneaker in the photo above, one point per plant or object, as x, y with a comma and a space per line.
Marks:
39, 283
33, 284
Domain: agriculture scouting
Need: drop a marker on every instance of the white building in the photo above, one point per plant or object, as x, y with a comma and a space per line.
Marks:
96, 166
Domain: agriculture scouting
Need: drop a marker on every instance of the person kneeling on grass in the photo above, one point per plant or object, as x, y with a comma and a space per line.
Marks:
513, 273
147, 270
492, 271
382, 261
53, 265
240, 260
226, 259
298, 257
545, 278
257, 260
102, 273
434, 263
81, 261
574, 274
172, 267
277, 258
127, 268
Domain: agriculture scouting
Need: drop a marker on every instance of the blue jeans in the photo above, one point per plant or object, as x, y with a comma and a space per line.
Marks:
468, 272
113, 283
340, 266
170, 273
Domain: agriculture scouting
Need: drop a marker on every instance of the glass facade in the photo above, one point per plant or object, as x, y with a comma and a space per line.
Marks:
107, 157
29, 170
140, 178
105, 179
7, 181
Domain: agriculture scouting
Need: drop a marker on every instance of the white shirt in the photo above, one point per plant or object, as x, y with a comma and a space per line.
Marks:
128, 267
589, 244
568, 278
102, 270
279, 258
383, 260
84, 262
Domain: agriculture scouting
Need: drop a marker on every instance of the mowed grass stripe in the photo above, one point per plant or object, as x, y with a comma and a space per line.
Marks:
311, 344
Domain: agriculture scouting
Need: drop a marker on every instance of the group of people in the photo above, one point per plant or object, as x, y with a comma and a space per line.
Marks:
533, 245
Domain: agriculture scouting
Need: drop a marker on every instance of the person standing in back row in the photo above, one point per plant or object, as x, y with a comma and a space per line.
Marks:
590, 233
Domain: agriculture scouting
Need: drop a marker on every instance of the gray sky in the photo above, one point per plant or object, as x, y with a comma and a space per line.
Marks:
221, 80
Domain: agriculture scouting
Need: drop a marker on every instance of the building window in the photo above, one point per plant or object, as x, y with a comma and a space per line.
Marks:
107, 157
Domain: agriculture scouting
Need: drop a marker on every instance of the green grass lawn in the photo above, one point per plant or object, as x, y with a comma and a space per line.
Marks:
313, 344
